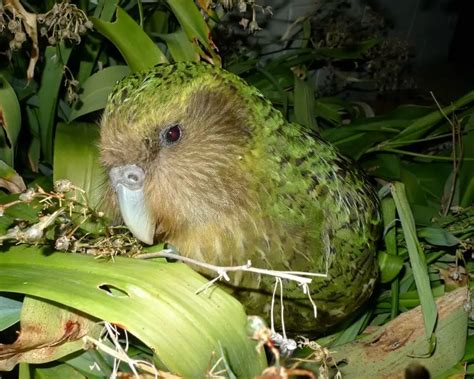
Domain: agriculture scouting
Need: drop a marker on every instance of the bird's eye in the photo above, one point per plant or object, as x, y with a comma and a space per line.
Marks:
171, 135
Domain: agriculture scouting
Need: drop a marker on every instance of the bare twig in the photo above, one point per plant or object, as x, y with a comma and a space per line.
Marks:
120, 354
297, 276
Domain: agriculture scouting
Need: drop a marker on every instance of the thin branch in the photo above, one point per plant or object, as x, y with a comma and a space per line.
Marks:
296, 276
120, 354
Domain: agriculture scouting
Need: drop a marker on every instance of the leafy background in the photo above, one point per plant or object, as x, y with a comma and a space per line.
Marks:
52, 88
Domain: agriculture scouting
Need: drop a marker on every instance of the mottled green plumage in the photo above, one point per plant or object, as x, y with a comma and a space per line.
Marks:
243, 183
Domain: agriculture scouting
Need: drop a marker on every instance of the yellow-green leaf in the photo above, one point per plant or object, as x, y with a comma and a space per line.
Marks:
157, 304
10, 121
138, 50
96, 90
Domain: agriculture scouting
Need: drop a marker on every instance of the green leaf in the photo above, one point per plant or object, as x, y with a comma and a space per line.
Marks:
349, 334
419, 127
383, 165
180, 47
330, 109
56, 58
438, 236
390, 266
417, 258
411, 299
105, 9
47, 332
138, 50
57, 371
10, 179
90, 363
9, 312
160, 305
195, 27
304, 103
21, 210
96, 90
77, 142
10, 121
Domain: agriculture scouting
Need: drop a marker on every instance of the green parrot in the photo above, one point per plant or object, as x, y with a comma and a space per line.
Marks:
200, 159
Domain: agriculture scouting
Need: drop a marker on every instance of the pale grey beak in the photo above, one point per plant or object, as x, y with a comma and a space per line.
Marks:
128, 182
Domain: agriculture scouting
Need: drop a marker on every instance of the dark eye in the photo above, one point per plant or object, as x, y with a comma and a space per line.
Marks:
170, 135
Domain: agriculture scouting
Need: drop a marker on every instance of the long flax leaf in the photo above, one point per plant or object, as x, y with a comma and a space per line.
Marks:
417, 258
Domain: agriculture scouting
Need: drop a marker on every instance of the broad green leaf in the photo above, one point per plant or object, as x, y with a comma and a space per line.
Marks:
10, 121
76, 158
10, 180
90, 50
105, 9
383, 165
304, 103
329, 109
438, 236
47, 332
56, 58
96, 90
56, 371
180, 47
158, 22
138, 50
193, 23
9, 312
412, 186
390, 266
158, 305
22, 87
18, 210
91, 363
417, 258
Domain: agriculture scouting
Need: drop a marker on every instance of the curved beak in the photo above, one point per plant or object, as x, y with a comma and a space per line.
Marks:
128, 183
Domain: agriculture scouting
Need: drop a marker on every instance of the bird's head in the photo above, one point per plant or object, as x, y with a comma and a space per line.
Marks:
173, 141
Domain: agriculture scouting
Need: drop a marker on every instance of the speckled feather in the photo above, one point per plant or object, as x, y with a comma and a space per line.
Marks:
243, 183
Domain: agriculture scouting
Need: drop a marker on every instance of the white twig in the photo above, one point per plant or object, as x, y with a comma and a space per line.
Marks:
282, 309
297, 276
272, 318
208, 285
308, 292
120, 354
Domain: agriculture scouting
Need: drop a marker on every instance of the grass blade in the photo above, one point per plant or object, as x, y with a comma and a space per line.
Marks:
417, 258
